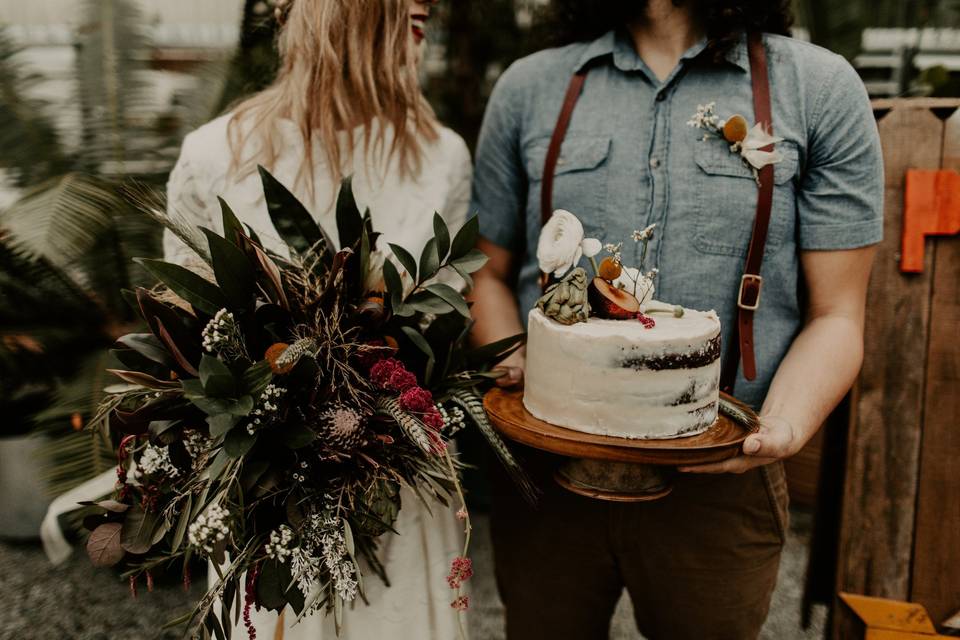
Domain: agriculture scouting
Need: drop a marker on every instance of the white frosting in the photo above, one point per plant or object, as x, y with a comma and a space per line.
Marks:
618, 378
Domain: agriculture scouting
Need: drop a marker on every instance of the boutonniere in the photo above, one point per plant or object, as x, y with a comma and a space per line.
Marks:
747, 142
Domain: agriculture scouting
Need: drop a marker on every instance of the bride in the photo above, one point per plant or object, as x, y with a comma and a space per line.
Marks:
346, 102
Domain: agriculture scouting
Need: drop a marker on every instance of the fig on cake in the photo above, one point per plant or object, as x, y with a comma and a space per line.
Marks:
612, 303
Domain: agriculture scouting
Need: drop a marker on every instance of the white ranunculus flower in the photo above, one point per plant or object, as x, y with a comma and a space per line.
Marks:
751, 147
561, 243
645, 288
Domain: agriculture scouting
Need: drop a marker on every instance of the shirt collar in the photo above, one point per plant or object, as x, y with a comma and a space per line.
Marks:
617, 44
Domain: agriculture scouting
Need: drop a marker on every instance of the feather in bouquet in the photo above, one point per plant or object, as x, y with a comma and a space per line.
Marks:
278, 404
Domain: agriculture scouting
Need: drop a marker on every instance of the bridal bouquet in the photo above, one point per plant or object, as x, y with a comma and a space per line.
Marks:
270, 417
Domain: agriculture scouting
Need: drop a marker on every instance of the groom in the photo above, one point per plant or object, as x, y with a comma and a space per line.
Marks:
703, 561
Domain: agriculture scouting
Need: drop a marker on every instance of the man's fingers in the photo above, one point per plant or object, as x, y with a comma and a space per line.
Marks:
512, 377
740, 464
767, 444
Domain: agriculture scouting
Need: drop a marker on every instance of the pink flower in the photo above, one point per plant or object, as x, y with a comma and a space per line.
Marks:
417, 400
461, 604
460, 571
462, 514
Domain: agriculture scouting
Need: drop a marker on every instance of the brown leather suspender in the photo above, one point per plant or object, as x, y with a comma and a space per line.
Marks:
748, 296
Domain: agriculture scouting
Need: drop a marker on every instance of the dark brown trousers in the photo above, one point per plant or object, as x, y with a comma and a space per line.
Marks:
700, 563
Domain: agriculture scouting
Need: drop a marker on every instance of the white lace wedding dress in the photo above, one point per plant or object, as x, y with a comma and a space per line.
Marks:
417, 604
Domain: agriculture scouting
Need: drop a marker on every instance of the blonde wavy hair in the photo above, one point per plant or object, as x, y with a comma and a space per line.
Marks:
344, 64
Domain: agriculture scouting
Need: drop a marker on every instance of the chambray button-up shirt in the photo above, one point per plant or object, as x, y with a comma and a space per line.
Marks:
630, 159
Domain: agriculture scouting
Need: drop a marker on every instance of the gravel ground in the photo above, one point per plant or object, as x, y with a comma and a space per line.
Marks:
77, 602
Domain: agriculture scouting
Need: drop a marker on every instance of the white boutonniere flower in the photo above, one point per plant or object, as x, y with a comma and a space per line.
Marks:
562, 244
748, 143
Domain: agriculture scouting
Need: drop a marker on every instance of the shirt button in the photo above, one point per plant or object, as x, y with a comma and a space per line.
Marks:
661, 96
654, 163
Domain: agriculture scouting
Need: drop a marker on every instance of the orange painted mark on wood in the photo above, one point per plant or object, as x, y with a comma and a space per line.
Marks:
892, 620
931, 208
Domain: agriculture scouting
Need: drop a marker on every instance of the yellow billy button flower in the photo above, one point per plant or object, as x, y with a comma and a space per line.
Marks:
735, 129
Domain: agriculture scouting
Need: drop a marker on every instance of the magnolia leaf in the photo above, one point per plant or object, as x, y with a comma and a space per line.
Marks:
199, 292
452, 297
216, 378
490, 354
221, 424
364, 252
137, 532
233, 271
238, 442
349, 221
112, 506
232, 228
406, 259
104, 547
178, 323
466, 238
442, 234
174, 349
143, 379
147, 345
271, 273
290, 218
429, 261
160, 427
472, 261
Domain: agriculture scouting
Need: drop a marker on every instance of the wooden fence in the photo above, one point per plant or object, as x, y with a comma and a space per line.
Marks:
900, 529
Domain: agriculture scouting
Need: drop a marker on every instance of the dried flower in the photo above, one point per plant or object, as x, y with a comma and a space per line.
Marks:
156, 461
462, 603
462, 514
461, 570
644, 235
267, 408
222, 336
279, 546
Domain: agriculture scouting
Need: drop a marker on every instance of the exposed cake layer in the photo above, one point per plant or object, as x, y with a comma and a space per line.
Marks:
615, 377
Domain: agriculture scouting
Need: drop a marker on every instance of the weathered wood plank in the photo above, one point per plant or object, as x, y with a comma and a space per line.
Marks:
936, 549
879, 504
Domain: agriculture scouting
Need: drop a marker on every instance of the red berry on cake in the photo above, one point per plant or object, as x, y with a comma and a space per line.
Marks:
612, 303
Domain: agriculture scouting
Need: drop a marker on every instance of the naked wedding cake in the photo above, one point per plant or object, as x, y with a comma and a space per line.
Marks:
604, 357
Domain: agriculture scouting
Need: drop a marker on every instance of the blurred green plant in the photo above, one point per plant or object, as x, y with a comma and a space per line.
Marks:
67, 243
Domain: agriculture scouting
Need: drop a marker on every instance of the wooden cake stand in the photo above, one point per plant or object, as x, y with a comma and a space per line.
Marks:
609, 468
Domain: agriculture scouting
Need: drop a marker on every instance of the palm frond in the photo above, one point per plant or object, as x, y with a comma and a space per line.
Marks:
61, 219
31, 147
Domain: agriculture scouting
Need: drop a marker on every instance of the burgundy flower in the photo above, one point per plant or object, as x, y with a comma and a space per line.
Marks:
462, 603
433, 419
401, 380
417, 400
382, 370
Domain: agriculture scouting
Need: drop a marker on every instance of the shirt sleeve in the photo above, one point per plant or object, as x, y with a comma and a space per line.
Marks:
500, 181
840, 203
189, 203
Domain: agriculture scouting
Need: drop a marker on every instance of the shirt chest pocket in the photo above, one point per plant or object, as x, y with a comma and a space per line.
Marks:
726, 199
580, 179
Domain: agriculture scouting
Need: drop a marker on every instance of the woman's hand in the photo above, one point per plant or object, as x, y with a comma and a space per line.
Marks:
776, 440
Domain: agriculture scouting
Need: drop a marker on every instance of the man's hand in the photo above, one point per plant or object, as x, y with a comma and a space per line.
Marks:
776, 440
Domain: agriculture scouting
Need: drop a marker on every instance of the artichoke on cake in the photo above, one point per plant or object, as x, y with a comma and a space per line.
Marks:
566, 301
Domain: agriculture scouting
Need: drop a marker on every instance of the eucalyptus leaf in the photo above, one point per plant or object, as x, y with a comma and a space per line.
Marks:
394, 284
256, 378
428, 302
238, 443
442, 233
466, 238
182, 522
221, 424
199, 292
216, 378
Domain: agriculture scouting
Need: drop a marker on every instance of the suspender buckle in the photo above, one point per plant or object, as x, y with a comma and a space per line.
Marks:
752, 285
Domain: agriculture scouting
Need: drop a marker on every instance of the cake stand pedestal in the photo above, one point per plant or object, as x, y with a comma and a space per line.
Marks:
609, 468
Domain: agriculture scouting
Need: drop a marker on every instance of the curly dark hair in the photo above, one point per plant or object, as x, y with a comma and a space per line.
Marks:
725, 21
